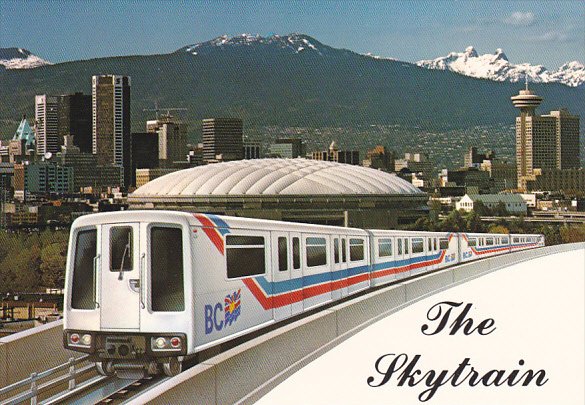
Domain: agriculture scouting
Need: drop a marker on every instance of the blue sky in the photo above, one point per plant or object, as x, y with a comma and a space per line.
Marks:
538, 32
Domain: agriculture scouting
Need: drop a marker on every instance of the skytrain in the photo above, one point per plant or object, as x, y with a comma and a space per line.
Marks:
145, 290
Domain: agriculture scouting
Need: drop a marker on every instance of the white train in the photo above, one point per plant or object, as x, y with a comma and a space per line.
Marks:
146, 289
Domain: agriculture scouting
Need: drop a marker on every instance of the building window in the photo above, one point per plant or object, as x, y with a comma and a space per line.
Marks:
245, 256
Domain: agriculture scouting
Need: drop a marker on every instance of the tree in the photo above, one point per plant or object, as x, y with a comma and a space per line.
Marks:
572, 234
481, 209
473, 222
496, 228
454, 222
500, 210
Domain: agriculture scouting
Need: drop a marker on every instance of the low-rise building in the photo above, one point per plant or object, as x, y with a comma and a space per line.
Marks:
514, 203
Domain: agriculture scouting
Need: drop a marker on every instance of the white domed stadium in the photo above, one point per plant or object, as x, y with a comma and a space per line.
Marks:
299, 190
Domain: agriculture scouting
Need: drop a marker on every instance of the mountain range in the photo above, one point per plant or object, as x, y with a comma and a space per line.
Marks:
497, 67
18, 58
288, 80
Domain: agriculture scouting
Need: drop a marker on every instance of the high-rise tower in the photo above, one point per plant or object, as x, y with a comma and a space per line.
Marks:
111, 122
47, 124
535, 137
222, 139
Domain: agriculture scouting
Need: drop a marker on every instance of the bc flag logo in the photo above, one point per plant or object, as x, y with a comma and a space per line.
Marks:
216, 320
232, 307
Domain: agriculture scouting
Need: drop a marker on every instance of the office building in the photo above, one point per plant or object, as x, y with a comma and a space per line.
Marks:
75, 119
473, 158
46, 124
415, 163
222, 139
544, 142
567, 142
145, 151
251, 149
351, 157
87, 173
288, 148
111, 123
172, 139
379, 158
42, 179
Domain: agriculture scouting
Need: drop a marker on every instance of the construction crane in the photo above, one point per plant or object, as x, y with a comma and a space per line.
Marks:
168, 110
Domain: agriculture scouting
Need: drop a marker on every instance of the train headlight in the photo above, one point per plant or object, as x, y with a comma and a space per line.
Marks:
86, 340
160, 343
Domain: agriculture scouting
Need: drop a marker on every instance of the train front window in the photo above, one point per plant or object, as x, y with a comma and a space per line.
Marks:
121, 248
166, 269
83, 287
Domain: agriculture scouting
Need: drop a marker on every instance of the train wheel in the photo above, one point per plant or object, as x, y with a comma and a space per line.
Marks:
105, 368
172, 367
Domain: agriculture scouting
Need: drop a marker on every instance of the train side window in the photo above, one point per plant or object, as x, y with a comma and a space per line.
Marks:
472, 242
166, 269
83, 283
343, 250
385, 247
405, 246
417, 245
296, 253
282, 253
505, 240
245, 255
444, 243
316, 251
435, 243
399, 241
356, 249
430, 246
121, 248
516, 240
489, 241
336, 250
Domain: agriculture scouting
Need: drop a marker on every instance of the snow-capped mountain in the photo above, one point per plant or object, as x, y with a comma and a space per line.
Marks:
18, 58
497, 67
293, 43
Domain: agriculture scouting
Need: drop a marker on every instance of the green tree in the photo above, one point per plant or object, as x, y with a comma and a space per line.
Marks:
473, 222
454, 222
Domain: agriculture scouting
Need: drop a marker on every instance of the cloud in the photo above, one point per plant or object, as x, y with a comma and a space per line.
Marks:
553, 36
518, 18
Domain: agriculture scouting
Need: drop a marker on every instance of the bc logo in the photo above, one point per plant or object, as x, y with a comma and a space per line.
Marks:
220, 316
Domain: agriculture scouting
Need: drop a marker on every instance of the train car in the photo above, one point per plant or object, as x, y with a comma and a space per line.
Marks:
525, 241
475, 246
145, 289
400, 254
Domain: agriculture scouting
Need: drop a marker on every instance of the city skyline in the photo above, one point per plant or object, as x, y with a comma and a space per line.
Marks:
547, 33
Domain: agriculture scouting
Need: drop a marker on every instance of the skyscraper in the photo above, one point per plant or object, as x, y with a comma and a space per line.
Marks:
172, 139
75, 119
545, 142
111, 122
222, 139
47, 124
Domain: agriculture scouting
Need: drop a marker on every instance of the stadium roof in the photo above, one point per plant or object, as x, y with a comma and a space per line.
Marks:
274, 177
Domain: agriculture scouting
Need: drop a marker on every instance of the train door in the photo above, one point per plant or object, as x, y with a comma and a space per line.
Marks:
296, 273
401, 262
339, 266
281, 277
119, 296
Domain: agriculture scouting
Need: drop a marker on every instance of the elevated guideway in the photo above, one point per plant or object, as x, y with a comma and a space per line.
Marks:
247, 372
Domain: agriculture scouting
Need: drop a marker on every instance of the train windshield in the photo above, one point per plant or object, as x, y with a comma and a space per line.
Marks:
83, 288
166, 269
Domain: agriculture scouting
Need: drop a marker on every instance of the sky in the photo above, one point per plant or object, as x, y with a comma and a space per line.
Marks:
549, 33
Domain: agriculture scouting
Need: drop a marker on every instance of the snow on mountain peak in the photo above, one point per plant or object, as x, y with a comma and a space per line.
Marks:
294, 42
19, 58
497, 67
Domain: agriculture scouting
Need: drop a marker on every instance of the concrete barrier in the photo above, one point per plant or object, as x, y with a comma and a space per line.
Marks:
33, 350
245, 373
